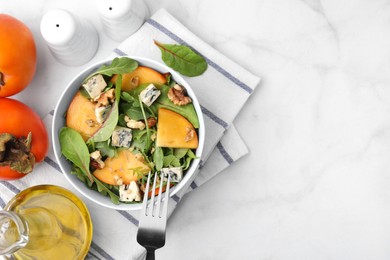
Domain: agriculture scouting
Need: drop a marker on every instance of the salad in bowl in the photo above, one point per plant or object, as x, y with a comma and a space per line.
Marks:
120, 120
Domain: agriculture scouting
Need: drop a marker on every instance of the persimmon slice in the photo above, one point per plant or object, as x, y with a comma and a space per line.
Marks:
174, 130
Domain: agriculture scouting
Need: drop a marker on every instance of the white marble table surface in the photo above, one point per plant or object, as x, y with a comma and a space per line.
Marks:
316, 184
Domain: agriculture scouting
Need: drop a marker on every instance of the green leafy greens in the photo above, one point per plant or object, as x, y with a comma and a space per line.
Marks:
120, 65
75, 150
102, 188
143, 142
188, 111
105, 131
182, 59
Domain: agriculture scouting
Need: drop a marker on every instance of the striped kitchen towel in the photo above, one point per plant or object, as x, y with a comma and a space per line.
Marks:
222, 91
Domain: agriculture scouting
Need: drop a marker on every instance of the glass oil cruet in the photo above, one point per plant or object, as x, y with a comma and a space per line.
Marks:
45, 222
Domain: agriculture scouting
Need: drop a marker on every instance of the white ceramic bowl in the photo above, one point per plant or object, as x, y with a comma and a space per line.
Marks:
59, 122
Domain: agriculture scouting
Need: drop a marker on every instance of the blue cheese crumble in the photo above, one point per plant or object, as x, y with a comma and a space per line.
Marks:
175, 172
95, 86
101, 113
149, 94
121, 137
130, 192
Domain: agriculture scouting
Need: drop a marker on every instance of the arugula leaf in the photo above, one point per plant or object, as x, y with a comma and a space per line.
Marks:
105, 131
139, 139
182, 59
102, 188
171, 161
133, 112
97, 185
158, 156
75, 150
180, 152
189, 157
106, 149
121, 120
129, 99
81, 176
120, 65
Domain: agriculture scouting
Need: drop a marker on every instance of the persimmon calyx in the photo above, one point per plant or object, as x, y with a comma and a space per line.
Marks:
15, 152
2, 83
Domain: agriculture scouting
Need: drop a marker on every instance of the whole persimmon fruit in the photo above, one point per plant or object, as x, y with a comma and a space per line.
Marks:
18, 56
24, 140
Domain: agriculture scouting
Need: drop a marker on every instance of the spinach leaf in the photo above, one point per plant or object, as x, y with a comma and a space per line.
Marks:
182, 59
118, 66
105, 131
148, 141
75, 150
188, 111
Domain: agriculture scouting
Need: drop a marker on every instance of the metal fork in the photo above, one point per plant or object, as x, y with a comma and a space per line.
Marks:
153, 219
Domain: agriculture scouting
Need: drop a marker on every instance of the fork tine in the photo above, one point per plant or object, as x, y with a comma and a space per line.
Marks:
145, 201
152, 199
166, 198
159, 195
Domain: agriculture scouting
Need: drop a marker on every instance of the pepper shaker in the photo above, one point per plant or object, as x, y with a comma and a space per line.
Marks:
121, 18
72, 41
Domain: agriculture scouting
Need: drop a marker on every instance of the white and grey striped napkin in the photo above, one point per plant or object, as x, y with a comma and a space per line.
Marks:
222, 91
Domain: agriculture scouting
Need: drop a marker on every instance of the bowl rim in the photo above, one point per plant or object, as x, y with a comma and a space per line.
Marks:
191, 173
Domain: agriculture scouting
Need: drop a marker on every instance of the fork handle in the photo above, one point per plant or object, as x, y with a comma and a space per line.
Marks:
149, 254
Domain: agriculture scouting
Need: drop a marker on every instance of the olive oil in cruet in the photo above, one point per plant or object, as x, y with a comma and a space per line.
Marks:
45, 222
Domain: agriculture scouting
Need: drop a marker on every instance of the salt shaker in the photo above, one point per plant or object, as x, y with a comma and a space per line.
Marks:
121, 18
72, 41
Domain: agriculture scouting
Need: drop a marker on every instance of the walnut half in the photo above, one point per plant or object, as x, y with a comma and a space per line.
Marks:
105, 98
134, 124
178, 95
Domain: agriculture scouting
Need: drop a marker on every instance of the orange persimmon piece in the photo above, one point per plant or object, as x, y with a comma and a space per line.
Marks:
174, 130
81, 116
124, 166
144, 74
